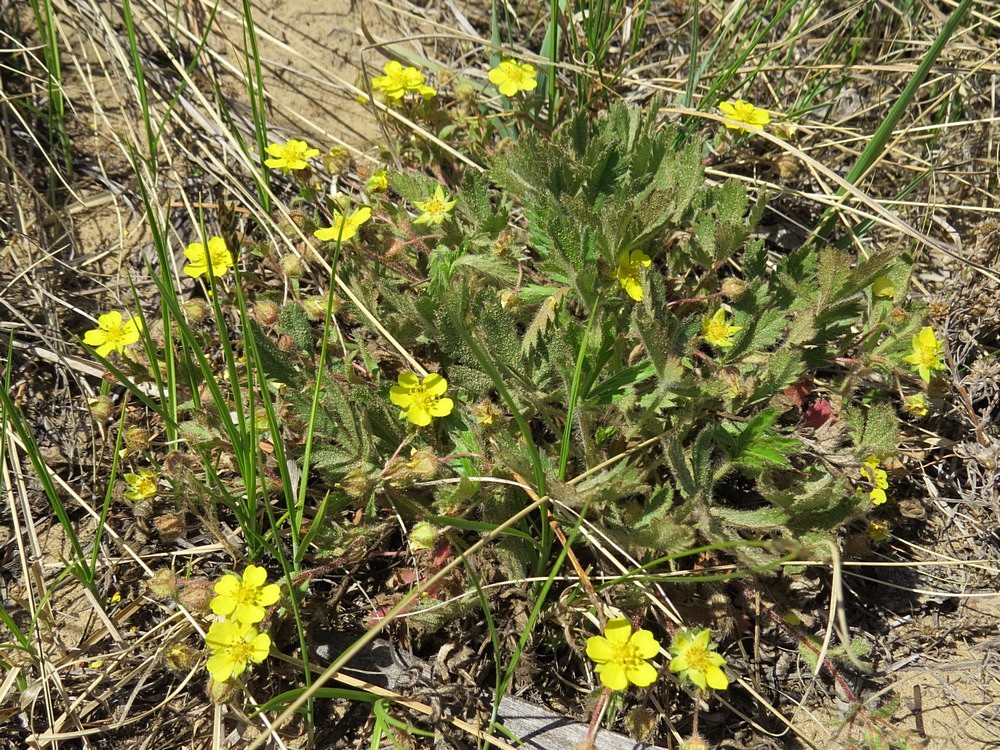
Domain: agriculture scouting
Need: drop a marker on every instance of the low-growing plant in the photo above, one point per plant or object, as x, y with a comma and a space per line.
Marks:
596, 307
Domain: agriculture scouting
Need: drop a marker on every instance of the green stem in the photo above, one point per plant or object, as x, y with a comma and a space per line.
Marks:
574, 392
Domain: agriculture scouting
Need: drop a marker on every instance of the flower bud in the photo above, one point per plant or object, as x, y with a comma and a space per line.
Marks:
170, 525
267, 312
197, 595
423, 463
315, 308
101, 407
163, 584
291, 266
423, 536
221, 692
136, 438
196, 310
179, 657
733, 288
356, 484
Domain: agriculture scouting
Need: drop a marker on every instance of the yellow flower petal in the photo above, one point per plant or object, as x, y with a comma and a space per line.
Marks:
599, 649
612, 675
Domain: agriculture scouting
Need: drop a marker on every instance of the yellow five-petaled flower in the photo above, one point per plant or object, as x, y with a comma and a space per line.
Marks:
629, 272
217, 252
511, 76
233, 645
621, 655
113, 333
344, 227
435, 209
696, 660
142, 485
717, 331
244, 599
420, 401
748, 117
398, 80
926, 356
289, 156
878, 477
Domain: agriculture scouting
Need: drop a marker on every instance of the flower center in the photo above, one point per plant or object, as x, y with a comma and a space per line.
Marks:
115, 334
434, 207
246, 594
240, 651
927, 356
219, 259
697, 658
627, 655
421, 398
716, 331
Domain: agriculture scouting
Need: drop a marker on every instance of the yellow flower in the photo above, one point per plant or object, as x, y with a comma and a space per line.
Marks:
717, 330
344, 228
398, 80
926, 355
420, 401
882, 287
696, 660
113, 333
233, 645
878, 531
747, 116
244, 599
511, 76
218, 253
629, 273
289, 156
378, 182
621, 655
435, 209
141, 485
916, 405
871, 472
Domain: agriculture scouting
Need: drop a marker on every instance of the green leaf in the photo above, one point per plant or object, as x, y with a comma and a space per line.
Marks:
276, 364
753, 444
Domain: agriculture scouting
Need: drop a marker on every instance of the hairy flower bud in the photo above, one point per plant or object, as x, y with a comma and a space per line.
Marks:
291, 266
163, 584
197, 595
136, 438
267, 312
101, 407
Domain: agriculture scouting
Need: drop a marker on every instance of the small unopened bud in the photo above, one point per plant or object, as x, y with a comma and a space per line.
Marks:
356, 484
267, 312
179, 657
378, 182
101, 407
787, 166
221, 692
136, 438
509, 299
291, 266
336, 160
641, 722
694, 743
423, 536
286, 343
163, 584
170, 525
196, 310
423, 463
315, 308
733, 288
197, 595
